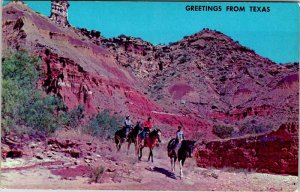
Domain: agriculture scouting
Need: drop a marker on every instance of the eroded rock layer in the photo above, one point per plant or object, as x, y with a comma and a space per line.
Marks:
275, 152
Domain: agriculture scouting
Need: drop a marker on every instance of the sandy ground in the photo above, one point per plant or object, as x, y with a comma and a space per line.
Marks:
131, 174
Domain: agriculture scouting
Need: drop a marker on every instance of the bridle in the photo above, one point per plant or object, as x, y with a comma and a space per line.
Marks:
158, 135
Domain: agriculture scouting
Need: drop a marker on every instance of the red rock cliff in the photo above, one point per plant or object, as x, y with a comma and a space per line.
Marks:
275, 152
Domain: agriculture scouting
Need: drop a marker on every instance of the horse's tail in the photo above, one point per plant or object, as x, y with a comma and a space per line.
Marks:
116, 139
171, 147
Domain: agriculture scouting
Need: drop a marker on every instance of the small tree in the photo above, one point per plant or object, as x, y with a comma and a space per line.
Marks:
39, 114
223, 131
74, 117
22, 103
104, 124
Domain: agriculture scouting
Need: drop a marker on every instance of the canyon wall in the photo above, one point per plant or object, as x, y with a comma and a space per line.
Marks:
275, 152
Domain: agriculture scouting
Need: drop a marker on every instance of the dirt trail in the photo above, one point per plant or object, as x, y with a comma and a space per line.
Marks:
123, 171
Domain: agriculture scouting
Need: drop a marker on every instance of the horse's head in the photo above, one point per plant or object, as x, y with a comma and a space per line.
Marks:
138, 126
190, 144
157, 134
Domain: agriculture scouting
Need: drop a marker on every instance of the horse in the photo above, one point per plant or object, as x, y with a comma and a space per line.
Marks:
120, 136
150, 141
132, 135
184, 151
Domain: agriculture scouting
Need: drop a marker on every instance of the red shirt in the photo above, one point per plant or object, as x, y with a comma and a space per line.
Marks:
148, 124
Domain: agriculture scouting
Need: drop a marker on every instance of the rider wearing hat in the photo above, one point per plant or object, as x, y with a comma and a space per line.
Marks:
127, 125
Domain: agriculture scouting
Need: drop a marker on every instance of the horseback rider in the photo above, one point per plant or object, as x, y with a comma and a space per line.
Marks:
127, 125
147, 128
179, 137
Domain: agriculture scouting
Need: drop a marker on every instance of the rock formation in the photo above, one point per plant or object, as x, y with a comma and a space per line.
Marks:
59, 12
275, 152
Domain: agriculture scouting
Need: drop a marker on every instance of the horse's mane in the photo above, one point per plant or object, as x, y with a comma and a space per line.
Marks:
137, 126
186, 143
154, 132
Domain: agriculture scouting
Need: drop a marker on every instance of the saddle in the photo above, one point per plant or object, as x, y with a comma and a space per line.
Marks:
147, 132
122, 132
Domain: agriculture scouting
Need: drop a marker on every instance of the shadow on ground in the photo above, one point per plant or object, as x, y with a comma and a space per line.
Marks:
165, 172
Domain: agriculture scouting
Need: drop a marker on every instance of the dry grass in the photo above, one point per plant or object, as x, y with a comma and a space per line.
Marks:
74, 134
160, 152
97, 173
236, 170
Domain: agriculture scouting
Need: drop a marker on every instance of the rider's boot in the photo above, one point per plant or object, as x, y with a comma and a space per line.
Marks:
126, 135
143, 142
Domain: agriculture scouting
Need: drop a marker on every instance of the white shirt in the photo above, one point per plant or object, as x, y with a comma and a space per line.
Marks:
128, 122
179, 135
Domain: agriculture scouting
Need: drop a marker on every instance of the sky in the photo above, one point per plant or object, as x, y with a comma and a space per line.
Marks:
274, 34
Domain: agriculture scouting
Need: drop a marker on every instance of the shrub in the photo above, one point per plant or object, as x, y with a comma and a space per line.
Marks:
172, 43
39, 113
22, 103
73, 118
183, 59
19, 79
96, 173
21, 68
223, 131
104, 124
254, 127
122, 36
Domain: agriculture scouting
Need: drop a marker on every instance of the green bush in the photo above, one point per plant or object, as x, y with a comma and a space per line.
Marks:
39, 113
104, 124
18, 82
223, 131
21, 68
73, 117
22, 103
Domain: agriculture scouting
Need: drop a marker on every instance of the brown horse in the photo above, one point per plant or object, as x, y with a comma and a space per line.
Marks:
120, 136
150, 141
132, 135
185, 150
